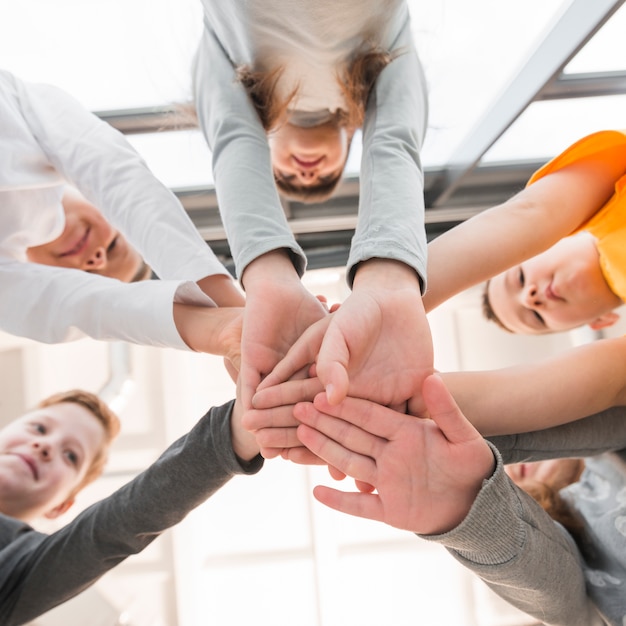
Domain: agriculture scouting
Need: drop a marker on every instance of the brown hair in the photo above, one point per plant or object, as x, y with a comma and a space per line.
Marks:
100, 410
488, 313
355, 82
547, 494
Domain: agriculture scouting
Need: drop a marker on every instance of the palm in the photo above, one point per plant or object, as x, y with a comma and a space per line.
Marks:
274, 319
376, 347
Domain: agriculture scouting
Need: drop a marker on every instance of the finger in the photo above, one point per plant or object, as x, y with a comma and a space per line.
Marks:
278, 438
342, 431
445, 412
249, 379
346, 461
290, 392
364, 487
302, 456
299, 356
364, 505
335, 473
371, 417
279, 417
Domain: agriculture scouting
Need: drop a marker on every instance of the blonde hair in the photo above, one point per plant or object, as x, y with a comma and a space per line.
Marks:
100, 410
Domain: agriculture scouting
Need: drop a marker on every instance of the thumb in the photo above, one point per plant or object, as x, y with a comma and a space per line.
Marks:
445, 412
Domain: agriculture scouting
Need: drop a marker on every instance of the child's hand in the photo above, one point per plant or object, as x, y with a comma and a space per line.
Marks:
426, 472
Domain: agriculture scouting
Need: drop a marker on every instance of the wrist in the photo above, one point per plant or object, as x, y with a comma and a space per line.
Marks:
386, 273
273, 266
222, 290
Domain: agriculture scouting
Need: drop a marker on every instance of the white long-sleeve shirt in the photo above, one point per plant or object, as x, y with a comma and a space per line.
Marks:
48, 140
311, 41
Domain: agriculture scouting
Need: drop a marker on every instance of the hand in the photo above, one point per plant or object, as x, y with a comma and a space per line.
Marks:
278, 310
377, 345
211, 330
427, 472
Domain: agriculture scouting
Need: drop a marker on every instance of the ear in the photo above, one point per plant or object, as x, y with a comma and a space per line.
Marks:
59, 509
608, 319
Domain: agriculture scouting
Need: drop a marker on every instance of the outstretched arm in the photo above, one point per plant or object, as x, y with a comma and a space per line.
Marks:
540, 215
46, 570
436, 477
560, 389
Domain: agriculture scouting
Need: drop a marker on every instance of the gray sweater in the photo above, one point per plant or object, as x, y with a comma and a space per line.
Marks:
40, 571
533, 562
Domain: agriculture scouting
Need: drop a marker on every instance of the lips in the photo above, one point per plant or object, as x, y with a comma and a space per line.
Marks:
79, 246
551, 294
307, 162
31, 464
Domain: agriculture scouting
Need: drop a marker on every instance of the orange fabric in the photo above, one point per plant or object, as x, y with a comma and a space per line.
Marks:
608, 225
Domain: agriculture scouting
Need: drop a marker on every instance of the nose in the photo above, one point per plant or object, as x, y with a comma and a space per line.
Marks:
42, 450
531, 296
308, 175
97, 260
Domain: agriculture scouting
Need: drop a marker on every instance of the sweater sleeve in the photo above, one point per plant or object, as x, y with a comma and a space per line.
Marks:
250, 207
41, 571
391, 204
512, 544
592, 435
98, 161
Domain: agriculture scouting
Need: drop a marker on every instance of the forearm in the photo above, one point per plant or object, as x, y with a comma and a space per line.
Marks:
391, 202
518, 550
563, 388
76, 304
253, 217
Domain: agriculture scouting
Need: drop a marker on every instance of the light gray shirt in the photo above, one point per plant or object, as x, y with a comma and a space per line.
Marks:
311, 41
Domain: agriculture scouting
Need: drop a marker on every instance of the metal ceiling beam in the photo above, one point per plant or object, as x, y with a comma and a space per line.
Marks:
569, 33
149, 119
587, 85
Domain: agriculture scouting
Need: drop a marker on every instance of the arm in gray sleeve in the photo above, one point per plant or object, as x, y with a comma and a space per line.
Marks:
41, 571
598, 433
391, 205
99, 161
512, 544
253, 217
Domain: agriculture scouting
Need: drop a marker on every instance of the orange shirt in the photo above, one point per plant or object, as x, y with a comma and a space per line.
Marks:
608, 225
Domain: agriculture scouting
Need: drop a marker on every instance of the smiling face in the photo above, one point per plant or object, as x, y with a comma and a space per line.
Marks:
88, 242
308, 156
560, 289
44, 456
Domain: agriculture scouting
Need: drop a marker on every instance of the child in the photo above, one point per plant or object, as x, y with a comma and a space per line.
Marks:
280, 88
440, 479
47, 142
573, 281
49, 454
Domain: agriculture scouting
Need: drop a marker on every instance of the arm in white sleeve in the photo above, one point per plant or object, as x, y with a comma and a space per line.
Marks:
52, 305
102, 165
391, 206
512, 544
251, 211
